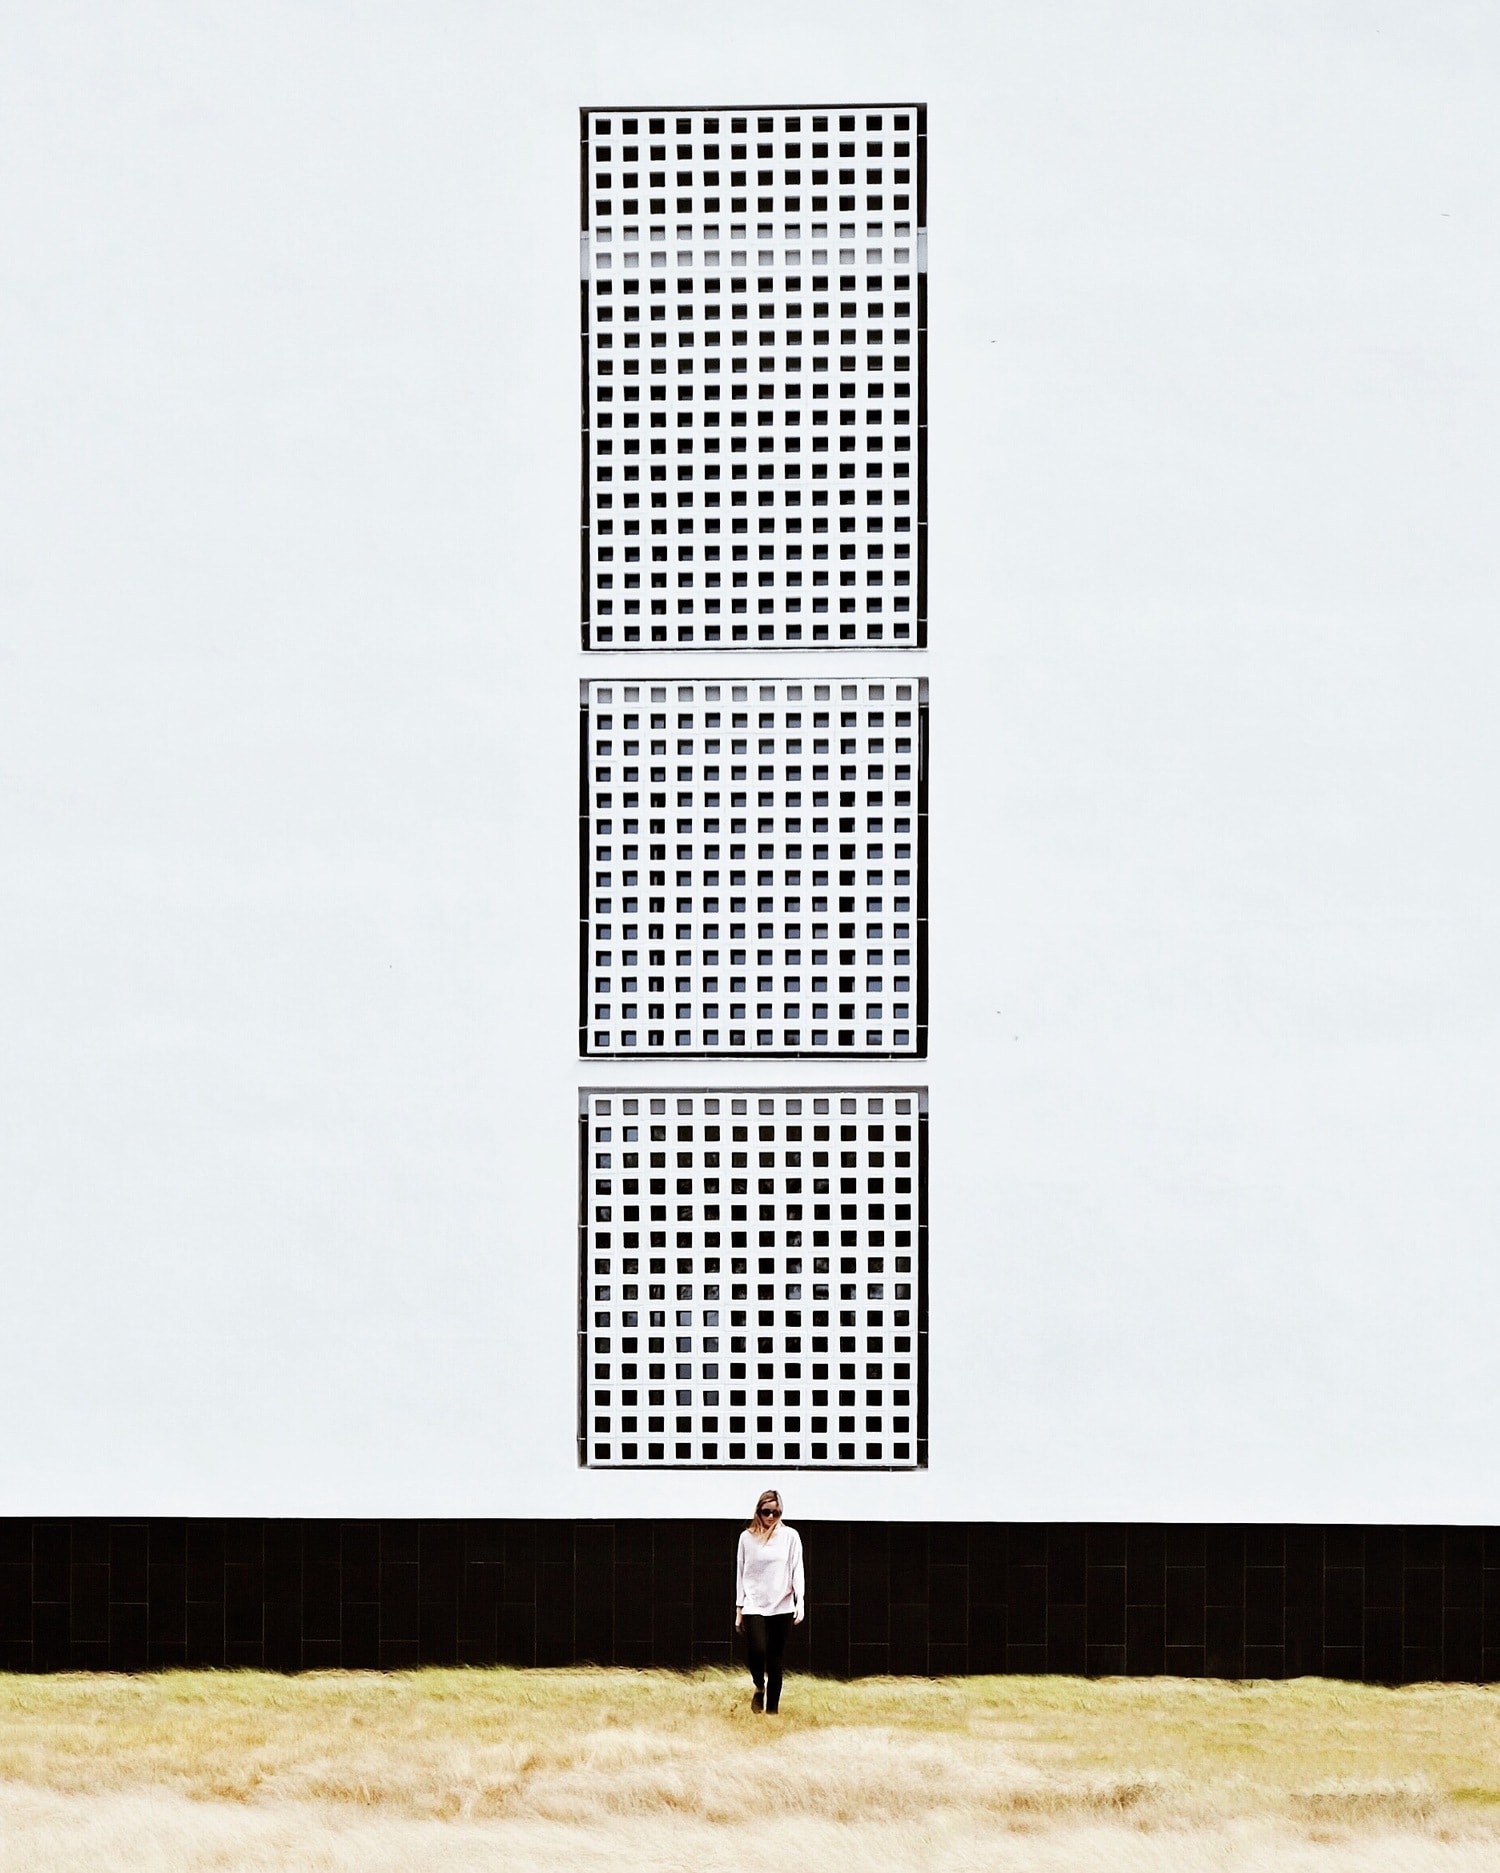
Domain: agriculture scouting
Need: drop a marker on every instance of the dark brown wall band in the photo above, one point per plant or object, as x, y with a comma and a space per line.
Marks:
1383, 1604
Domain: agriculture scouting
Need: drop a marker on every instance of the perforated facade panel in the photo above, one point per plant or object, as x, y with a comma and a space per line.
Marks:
753, 311
753, 1277
753, 867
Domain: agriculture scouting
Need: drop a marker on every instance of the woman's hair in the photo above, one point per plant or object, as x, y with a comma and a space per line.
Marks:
755, 1526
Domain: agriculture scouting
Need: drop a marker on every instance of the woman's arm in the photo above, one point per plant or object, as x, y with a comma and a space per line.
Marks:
739, 1582
799, 1581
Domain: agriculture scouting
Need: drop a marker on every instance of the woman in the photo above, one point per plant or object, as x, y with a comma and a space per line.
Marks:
769, 1596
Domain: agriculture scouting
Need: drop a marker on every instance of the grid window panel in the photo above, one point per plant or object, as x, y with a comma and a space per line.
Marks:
753, 1278
753, 868
753, 328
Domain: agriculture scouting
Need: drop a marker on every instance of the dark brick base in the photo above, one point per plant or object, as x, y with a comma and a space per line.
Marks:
1392, 1605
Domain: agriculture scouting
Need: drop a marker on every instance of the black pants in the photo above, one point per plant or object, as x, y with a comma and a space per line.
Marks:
765, 1641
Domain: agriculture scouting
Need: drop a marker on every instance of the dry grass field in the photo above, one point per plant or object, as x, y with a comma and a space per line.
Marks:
591, 1770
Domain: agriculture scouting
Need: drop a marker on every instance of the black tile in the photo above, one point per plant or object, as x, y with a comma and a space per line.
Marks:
869, 1661
89, 1535
128, 1550
1026, 1605
1422, 1608
633, 1544
988, 1550
1423, 1547
205, 1636
51, 1560
1106, 1606
243, 1603
1343, 1606
1265, 1606
909, 1639
15, 1541
1185, 1661
166, 1540
632, 1607
1344, 1547
90, 1603
359, 1639
1106, 1544
15, 1602
1066, 1639
1463, 1645
1026, 1544
674, 1636
439, 1556
205, 1543
320, 1603
1224, 1642
1067, 1565
359, 1562
320, 1545
1463, 1567
554, 1543
830, 1640
908, 1564
1145, 1641
283, 1636
1145, 1567
1224, 1566
51, 1638
515, 1634
400, 1544
1343, 1661
1265, 1661
987, 1638
1184, 1609
128, 1636
167, 1604
1184, 1545
1383, 1563
244, 1543
948, 1603
869, 1603
948, 1544
437, 1632
554, 1615
1105, 1661
1381, 1661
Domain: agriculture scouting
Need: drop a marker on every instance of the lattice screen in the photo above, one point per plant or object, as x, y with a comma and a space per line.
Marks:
752, 1277
754, 377
753, 868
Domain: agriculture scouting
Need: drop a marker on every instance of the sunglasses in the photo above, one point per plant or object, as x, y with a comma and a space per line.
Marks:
770, 1515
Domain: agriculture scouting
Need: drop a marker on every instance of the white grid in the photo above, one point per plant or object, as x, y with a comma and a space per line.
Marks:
752, 1277
751, 860
754, 387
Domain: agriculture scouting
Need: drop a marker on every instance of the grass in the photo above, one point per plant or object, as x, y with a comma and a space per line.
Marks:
553, 1769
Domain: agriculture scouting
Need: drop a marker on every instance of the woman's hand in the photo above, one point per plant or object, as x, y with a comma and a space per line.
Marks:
739, 1619
797, 1616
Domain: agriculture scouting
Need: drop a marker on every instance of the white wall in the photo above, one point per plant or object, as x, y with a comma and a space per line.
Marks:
288, 684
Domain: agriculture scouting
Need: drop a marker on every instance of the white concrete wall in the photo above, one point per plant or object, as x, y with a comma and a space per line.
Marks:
288, 691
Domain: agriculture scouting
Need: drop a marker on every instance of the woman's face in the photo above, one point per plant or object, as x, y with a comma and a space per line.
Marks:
769, 1513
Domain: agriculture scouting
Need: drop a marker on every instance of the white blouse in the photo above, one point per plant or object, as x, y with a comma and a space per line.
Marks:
768, 1574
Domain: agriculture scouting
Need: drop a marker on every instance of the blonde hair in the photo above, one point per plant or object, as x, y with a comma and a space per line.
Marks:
754, 1525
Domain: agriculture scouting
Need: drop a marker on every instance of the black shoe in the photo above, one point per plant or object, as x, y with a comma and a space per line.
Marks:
773, 1710
758, 1702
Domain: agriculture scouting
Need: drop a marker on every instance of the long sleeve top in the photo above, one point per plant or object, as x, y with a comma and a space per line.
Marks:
768, 1574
